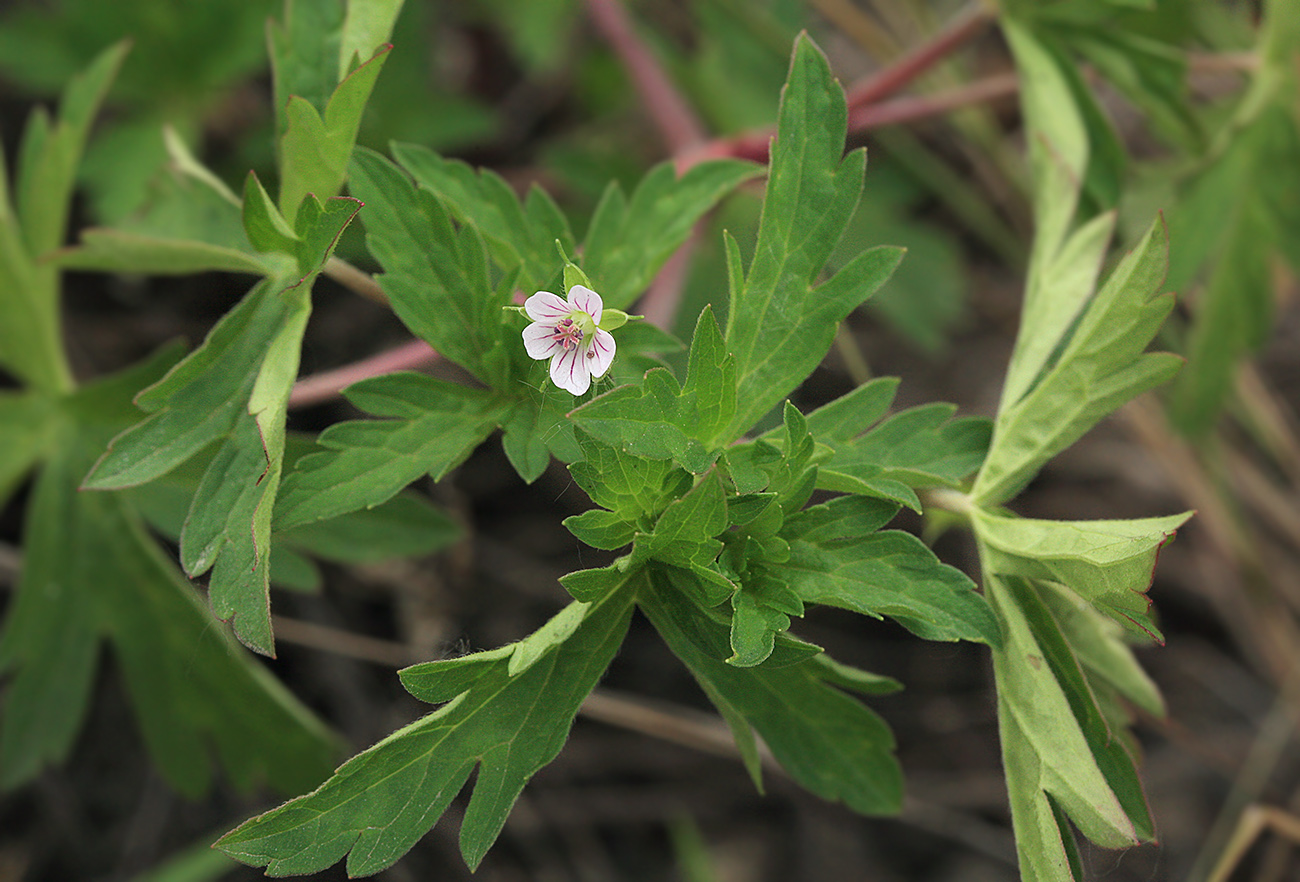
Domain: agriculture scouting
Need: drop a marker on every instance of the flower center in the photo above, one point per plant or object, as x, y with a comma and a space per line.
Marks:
567, 333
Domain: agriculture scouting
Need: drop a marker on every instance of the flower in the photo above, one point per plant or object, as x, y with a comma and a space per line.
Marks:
569, 334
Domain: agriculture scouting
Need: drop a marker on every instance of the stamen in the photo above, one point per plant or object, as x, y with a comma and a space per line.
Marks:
567, 334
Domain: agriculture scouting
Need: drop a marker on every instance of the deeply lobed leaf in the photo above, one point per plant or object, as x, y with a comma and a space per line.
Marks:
830, 743
431, 427
435, 277
92, 575
507, 717
781, 322
1102, 366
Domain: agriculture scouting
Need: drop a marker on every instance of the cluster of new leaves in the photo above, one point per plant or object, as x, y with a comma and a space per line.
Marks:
1067, 593
720, 547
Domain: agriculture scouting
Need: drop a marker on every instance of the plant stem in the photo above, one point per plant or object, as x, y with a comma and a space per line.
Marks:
890, 79
355, 280
324, 386
676, 122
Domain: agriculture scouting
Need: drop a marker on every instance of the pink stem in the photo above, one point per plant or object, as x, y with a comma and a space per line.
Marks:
754, 145
661, 301
674, 118
325, 386
900, 73
907, 109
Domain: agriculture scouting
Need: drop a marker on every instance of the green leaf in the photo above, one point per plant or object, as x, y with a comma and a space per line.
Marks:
314, 150
1057, 141
1108, 563
601, 529
508, 712
519, 235
919, 447
51, 155
229, 526
683, 535
891, 573
264, 225
230, 517
305, 48
247, 363
658, 419
31, 344
1240, 206
635, 490
852, 413
91, 575
648, 420
1101, 367
1103, 651
190, 223
628, 242
1056, 292
124, 251
781, 323
366, 27
28, 424
431, 427
538, 428
754, 626
709, 394
1150, 72
1058, 748
405, 526
631, 486
199, 400
828, 742
435, 277
592, 586
251, 357
195, 863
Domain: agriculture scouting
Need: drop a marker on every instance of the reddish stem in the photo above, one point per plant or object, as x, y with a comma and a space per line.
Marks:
677, 123
910, 108
325, 386
887, 81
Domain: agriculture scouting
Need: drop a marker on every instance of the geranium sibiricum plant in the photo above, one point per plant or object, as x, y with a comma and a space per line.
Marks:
720, 542
727, 511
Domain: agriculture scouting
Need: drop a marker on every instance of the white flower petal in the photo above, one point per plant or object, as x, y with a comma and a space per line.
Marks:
540, 342
569, 372
582, 297
598, 352
546, 307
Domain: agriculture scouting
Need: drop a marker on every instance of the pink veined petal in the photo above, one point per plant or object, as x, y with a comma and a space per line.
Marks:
582, 297
540, 342
569, 372
546, 307
598, 352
